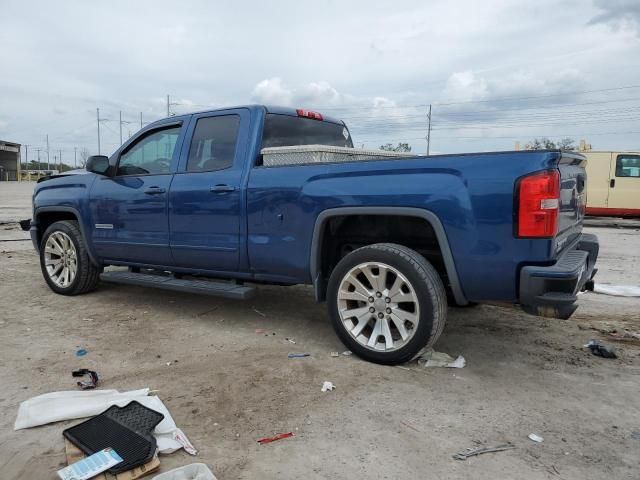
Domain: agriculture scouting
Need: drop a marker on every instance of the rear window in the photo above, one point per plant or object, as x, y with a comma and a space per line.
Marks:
288, 131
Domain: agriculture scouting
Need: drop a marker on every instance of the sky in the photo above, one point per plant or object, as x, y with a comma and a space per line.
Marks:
495, 72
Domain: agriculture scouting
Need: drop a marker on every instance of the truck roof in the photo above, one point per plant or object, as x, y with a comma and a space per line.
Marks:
268, 108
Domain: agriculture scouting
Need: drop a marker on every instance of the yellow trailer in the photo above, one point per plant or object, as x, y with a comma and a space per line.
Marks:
613, 183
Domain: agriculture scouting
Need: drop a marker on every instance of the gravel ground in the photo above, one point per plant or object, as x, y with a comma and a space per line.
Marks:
227, 385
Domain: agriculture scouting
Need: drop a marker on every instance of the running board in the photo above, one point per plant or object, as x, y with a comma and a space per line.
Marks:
203, 287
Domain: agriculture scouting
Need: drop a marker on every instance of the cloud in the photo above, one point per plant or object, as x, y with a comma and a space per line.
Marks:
618, 14
272, 92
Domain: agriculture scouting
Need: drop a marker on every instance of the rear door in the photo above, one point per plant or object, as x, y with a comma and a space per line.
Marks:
598, 174
205, 201
129, 210
624, 193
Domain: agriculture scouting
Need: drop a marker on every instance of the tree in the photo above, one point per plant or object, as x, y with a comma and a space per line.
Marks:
567, 144
84, 156
401, 147
545, 144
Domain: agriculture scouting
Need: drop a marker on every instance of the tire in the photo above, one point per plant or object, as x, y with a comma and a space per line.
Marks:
400, 274
65, 237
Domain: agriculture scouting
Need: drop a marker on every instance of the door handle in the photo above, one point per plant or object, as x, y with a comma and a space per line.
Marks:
154, 191
220, 188
612, 182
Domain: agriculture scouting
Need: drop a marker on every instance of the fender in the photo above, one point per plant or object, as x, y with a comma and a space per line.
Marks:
68, 209
427, 215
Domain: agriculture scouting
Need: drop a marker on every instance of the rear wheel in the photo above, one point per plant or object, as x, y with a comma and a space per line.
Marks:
64, 260
387, 303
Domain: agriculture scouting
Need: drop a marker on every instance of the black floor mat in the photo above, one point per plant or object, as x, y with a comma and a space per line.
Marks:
125, 429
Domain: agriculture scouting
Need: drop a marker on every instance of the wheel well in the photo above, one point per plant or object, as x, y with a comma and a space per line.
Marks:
343, 234
46, 219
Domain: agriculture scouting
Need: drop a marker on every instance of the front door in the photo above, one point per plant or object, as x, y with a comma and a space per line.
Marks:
205, 196
625, 182
129, 210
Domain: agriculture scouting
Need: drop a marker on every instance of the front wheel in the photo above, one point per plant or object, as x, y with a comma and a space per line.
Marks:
64, 260
386, 303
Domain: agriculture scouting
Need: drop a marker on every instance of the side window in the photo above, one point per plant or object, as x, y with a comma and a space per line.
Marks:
151, 154
628, 166
214, 143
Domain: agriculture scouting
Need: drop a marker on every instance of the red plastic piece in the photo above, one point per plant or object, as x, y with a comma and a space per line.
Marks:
279, 436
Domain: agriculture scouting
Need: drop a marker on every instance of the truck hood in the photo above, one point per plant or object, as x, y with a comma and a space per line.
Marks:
78, 171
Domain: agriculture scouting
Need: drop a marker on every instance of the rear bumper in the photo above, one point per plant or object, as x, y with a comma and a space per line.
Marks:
552, 291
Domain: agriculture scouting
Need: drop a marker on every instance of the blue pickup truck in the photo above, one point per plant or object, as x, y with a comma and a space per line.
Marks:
190, 203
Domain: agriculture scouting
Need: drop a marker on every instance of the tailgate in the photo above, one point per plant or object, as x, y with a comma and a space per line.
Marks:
573, 179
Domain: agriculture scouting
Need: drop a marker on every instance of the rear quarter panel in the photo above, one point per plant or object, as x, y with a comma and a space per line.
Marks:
473, 195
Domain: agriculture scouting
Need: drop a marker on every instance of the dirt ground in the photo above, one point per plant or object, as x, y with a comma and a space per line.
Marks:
228, 386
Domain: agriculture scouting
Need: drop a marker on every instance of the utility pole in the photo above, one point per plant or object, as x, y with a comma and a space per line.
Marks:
26, 162
38, 150
140, 120
98, 117
60, 152
75, 157
120, 127
48, 166
429, 131
169, 104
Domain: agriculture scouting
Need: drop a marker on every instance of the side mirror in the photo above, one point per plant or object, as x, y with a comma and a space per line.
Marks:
98, 164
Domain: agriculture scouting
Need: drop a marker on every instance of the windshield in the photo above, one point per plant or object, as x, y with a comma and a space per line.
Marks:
286, 131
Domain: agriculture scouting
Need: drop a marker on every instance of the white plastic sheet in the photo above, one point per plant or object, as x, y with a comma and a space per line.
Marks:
617, 290
433, 359
195, 471
67, 405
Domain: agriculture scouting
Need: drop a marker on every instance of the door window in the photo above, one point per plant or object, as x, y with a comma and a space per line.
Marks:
151, 154
628, 166
213, 146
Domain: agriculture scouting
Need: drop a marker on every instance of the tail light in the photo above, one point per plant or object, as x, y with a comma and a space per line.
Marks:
309, 114
538, 205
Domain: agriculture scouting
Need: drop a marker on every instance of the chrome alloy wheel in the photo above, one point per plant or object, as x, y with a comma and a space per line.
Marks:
378, 306
60, 259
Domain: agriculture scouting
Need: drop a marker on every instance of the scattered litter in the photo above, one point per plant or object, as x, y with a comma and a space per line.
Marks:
86, 384
617, 290
261, 331
409, 426
335, 354
81, 352
347, 353
328, 386
74, 454
91, 466
171, 363
600, 350
128, 430
290, 340
471, 452
535, 438
68, 405
195, 471
433, 359
279, 436
259, 312
298, 355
